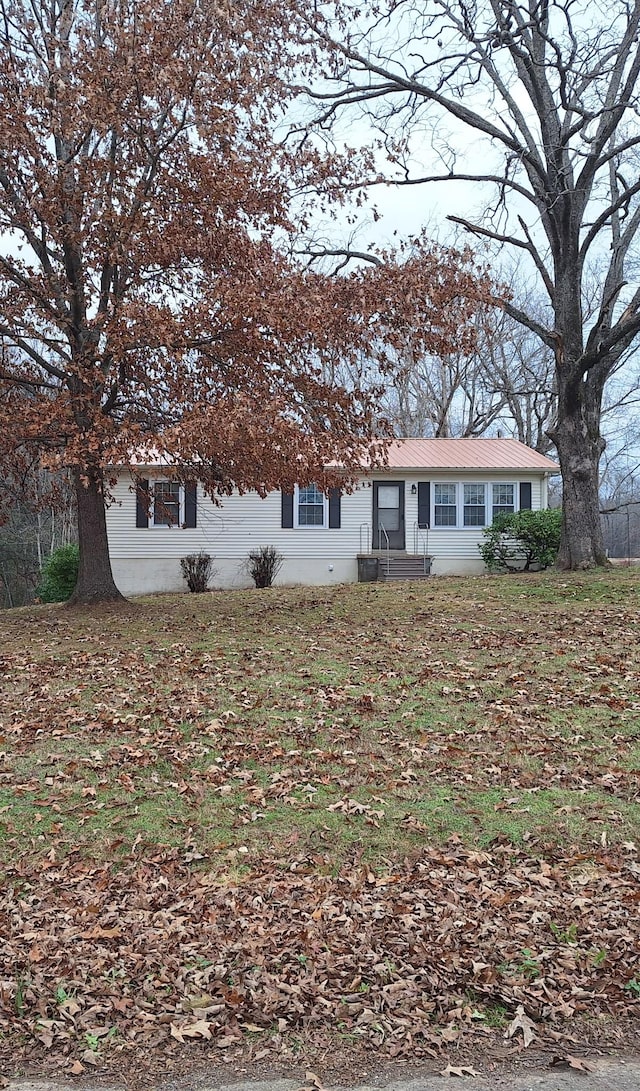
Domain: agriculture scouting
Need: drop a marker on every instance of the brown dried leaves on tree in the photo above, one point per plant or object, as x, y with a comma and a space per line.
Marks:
147, 295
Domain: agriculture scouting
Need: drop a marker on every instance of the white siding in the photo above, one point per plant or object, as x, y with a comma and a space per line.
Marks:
455, 549
230, 530
147, 559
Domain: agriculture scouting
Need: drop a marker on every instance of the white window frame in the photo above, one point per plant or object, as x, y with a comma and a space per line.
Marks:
296, 511
477, 485
516, 497
447, 485
460, 504
152, 506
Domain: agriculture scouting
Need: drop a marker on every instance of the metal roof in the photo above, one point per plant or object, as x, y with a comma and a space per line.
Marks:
466, 454
426, 454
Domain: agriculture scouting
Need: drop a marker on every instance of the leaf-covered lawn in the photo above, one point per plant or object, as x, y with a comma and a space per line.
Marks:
369, 813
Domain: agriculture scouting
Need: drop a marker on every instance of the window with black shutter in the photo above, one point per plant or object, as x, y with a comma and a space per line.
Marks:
335, 503
424, 504
142, 503
525, 495
191, 504
286, 515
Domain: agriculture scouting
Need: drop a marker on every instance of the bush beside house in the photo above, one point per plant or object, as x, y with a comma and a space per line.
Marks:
521, 540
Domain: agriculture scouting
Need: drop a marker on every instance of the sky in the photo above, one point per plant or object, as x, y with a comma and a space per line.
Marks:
405, 210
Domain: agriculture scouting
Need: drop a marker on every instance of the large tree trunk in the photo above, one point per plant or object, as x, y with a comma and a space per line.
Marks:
580, 445
95, 578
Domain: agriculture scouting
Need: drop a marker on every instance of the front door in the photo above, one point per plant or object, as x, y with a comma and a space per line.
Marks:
388, 514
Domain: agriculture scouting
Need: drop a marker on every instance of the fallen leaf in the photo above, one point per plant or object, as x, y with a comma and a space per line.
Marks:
579, 1063
193, 1003
145, 939
200, 1029
458, 1070
560, 1036
312, 1083
101, 933
525, 1024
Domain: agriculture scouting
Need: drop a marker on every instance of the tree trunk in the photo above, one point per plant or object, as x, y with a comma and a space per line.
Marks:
580, 445
95, 578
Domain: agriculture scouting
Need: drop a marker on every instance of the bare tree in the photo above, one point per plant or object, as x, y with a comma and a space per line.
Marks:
39, 517
506, 383
433, 394
549, 92
517, 370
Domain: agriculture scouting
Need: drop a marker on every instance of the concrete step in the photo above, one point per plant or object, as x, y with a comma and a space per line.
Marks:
393, 577
407, 567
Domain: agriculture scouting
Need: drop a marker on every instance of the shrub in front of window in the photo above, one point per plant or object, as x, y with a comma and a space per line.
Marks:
263, 565
197, 571
517, 541
59, 574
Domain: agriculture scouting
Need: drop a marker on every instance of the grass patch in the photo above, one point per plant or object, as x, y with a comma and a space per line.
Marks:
325, 721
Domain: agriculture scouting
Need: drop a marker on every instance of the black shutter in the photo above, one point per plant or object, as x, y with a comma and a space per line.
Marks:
334, 509
142, 503
287, 510
424, 503
525, 495
190, 503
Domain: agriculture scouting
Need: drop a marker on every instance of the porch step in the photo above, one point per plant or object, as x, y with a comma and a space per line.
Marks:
405, 567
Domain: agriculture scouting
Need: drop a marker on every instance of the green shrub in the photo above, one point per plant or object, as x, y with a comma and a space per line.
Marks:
59, 574
263, 565
197, 571
518, 540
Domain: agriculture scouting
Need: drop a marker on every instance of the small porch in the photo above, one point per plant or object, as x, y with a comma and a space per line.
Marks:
391, 547
384, 566
389, 563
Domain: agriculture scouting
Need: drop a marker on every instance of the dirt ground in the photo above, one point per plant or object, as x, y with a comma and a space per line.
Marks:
582, 1063
592, 1074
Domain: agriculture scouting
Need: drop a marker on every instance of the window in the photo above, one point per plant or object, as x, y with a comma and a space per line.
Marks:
444, 505
474, 505
503, 499
388, 497
310, 507
307, 506
163, 503
166, 503
471, 505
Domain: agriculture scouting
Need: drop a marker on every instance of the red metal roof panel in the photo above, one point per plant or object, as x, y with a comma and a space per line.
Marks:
466, 454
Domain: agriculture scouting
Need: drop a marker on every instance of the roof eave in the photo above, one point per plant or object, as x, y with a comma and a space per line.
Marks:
468, 469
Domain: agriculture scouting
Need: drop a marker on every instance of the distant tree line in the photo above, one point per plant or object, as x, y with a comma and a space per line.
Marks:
621, 530
40, 518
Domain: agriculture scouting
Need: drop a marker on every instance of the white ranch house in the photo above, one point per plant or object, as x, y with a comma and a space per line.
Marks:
422, 513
